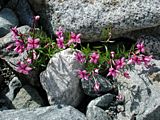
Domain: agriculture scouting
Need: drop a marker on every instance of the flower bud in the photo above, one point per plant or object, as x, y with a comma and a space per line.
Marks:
112, 54
37, 18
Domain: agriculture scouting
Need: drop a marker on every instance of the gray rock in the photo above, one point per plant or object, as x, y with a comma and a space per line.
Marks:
94, 109
23, 11
12, 58
96, 113
88, 86
102, 101
141, 93
120, 108
60, 80
13, 86
8, 19
90, 16
44, 113
18, 98
27, 97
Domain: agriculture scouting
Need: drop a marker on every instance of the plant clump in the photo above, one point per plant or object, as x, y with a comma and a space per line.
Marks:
101, 67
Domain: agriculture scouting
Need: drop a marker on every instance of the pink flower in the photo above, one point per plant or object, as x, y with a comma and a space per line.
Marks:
80, 57
29, 60
32, 43
82, 74
34, 55
94, 58
134, 60
130, 61
96, 86
74, 38
59, 32
36, 18
19, 42
23, 68
112, 54
140, 47
14, 31
146, 59
112, 72
60, 43
126, 74
19, 49
120, 63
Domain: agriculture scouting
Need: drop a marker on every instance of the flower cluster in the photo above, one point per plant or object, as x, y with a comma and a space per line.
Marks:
37, 53
81, 58
74, 39
23, 42
93, 58
95, 61
137, 57
116, 66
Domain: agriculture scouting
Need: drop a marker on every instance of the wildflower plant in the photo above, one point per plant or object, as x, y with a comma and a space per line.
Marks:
98, 61
109, 64
39, 47
116, 63
25, 43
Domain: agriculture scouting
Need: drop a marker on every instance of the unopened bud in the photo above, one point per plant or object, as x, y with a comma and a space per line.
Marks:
37, 18
112, 54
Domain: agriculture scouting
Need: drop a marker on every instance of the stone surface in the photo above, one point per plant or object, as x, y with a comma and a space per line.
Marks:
8, 19
90, 16
12, 58
141, 93
60, 80
136, 34
13, 86
3, 3
15, 97
6, 73
88, 86
96, 108
27, 97
23, 11
44, 113
37, 4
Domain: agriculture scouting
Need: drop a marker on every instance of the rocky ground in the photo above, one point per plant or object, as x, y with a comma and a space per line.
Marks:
56, 92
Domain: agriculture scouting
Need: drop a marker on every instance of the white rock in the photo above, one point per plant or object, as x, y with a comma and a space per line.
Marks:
44, 113
141, 93
94, 109
60, 80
